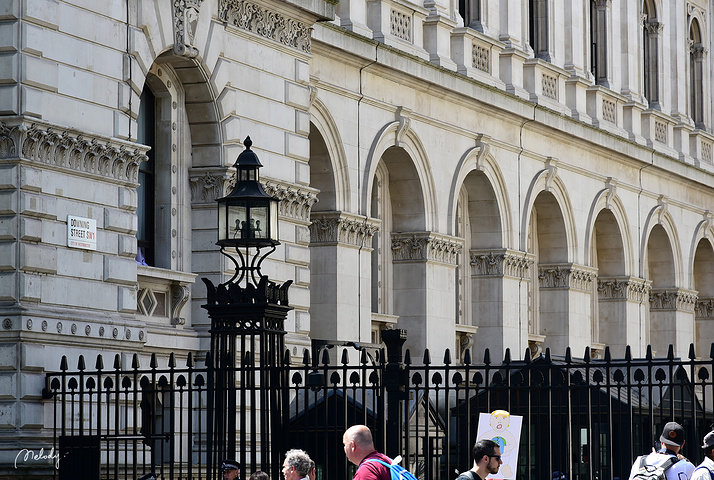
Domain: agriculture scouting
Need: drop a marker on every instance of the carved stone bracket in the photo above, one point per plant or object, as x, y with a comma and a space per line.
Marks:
295, 201
331, 228
566, 275
207, 186
185, 15
623, 288
504, 262
704, 308
263, 22
425, 246
72, 150
179, 297
673, 299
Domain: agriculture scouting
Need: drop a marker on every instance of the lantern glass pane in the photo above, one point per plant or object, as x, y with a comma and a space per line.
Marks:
259, 221
237, 222
274, 221
222, 221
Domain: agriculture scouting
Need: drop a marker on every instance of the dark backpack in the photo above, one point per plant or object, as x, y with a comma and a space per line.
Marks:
650, 472
397, 471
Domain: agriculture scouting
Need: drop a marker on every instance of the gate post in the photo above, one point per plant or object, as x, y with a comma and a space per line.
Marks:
395, 382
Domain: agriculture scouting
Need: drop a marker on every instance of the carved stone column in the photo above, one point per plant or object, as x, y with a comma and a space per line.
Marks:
500, 285
704, 326
672, 319
623, 302
565, 309
424, 287
340, 266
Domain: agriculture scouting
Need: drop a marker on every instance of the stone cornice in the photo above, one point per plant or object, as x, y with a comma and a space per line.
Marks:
673, 299
260, 21
566, 276
210, 184
295, 201
503, 262
68, 149
332, 228
623, 288
425, 246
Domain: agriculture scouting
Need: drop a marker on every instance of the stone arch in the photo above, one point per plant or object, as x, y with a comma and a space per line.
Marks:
605, 200
704, 231
330, 145
659, 216
547, 180
702, 268
404, 142
477, 159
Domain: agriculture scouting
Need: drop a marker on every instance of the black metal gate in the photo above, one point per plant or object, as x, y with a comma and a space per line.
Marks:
585, 417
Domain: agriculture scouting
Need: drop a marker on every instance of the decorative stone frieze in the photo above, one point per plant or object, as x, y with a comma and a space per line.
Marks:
704, 308
566, 275
263, 22
72, 150
295, 202
673, 299
331, 228
621, 288
425, 246
508, 263
185, 15
209, 186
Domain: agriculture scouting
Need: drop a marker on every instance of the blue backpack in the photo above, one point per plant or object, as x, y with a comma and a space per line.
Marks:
398, 472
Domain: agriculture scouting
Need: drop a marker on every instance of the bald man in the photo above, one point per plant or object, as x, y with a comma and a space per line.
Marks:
359, 449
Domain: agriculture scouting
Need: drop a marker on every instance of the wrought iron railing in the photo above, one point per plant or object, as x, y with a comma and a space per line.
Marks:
588, 418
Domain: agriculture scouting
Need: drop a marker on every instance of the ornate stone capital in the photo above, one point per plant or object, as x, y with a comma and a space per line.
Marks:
332, 228
654, 28
566, 275
504, 262
185, 14
673, 299
704, 308
623, 288
263, 22
207, 186
295, 201
425, 246
72, 150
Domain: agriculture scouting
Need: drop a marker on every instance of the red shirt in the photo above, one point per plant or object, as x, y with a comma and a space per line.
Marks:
373, 470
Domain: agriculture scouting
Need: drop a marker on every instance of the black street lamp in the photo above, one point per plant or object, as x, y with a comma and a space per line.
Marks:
247, 330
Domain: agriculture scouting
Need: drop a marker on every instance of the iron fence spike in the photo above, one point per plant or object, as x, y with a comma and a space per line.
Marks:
345, 357
135, 362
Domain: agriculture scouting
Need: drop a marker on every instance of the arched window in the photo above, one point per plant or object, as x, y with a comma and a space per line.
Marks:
651, 34
696, 74
538, 28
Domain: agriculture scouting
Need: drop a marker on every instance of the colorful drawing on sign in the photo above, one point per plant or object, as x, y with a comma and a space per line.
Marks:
505, 430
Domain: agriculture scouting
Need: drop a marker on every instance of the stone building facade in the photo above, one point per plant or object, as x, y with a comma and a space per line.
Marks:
503, 174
